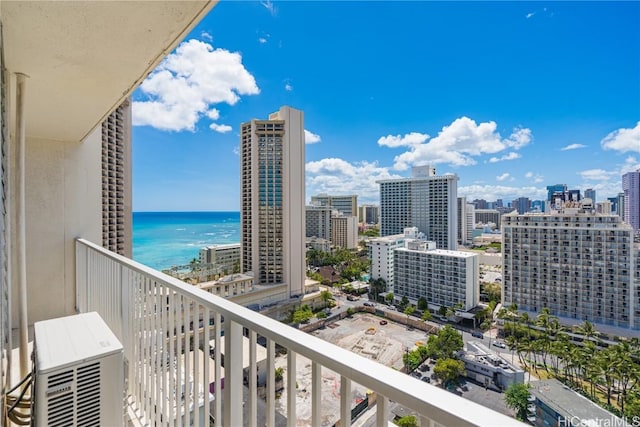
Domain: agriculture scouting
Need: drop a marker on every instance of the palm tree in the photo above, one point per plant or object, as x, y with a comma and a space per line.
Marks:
587, 330
326, 296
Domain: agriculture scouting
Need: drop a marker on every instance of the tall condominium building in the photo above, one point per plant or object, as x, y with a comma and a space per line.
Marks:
557, 188
480, 203
488, 216
426, 201
381, 254
522, 204
344, 231
576, 263
590, 193
631, 189
272, 199
116, 181
444, 278
226, 257
466, 221
347, 205
604, 207
369, 214
621, 206
318, 221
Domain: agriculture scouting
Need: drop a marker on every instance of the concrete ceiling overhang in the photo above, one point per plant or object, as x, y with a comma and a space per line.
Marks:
83, 58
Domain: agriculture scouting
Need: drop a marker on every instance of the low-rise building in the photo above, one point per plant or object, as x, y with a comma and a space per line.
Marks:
558, 405
488, 368
223, 257
229, 286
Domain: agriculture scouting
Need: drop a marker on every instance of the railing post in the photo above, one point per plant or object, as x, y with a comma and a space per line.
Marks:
316, 394
345, 401
382, 411
253, 380
291, 388
271, 383
233, 384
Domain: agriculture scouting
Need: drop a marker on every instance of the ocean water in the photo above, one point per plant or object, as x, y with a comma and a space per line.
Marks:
165, 239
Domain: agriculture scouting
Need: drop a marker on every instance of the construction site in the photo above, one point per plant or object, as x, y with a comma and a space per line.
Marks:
363, 334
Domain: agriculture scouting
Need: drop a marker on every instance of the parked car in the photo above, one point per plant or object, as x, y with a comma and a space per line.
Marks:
383, 322
352, 298
499, 344
426, 379
368, 304
477, 334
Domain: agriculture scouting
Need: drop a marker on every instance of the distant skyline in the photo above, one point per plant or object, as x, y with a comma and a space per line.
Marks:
510, 96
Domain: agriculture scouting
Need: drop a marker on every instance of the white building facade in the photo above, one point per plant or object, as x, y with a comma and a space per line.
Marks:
347, 205
444, 278
223, 256
272, 211
381, 254
318, 221
426, 201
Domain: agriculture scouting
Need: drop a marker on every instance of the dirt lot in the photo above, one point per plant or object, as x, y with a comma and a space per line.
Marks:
361, 334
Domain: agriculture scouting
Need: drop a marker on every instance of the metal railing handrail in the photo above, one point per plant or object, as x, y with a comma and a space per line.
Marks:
432, 402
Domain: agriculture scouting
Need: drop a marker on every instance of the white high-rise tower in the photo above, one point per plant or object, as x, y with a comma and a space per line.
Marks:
272, 199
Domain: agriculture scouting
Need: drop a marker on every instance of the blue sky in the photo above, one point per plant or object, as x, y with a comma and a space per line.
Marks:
511, 97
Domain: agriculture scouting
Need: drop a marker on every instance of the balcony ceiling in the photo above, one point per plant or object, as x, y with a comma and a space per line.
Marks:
83, 58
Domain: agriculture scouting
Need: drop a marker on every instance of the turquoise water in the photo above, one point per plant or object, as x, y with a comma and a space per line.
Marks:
164, 239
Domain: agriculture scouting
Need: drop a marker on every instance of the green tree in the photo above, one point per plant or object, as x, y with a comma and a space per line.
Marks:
279, 374
302, 314
389, 297
409, 311
426, 315
407, 421
448, 370
445, 344
326, 296
517, 398
422, 303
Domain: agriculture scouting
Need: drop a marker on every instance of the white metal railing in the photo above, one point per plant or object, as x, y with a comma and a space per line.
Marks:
155, 316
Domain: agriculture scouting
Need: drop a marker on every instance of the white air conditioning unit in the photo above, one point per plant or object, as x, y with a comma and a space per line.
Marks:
79, 373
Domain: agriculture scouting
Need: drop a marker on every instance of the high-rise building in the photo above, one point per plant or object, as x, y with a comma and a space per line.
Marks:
621, 206
590, 193
426, 201
631, 189
480, 204
116, 181
369, 214
604, 207
344, 231
488, 216
557, 188
614, 204
444, 278
272, 199
347, 205
462, 220
576, 263
522, 205
318, 221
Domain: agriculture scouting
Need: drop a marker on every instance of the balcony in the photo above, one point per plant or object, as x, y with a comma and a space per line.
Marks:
152, 313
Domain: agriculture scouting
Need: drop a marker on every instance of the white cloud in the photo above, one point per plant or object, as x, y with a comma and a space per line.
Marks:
408, 140
596, 175
511, 156
288, 87
572, 147
623, 140
507, 193
310, 137
220, 128
236, 150
262, 40
205, 35
181, 90
456, 144
213, 114
338, 176
534, 177
530, 15
503, 177
268, 4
